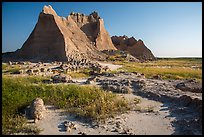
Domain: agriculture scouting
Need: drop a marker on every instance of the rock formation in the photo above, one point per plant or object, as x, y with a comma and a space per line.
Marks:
93, 27
56, 38
37, 109
76, 37
135, 47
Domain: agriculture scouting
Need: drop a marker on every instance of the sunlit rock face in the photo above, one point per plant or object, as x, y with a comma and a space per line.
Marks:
135, 47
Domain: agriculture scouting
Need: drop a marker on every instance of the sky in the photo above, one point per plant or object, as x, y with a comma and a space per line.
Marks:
168, 29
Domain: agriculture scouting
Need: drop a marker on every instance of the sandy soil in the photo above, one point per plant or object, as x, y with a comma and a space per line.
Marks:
133, 122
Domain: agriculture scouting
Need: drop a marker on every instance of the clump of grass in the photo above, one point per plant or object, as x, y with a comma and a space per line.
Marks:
28, 79
112, 58
17, 124
78, 75
86, 101
13, 71
82, 74
10, 69
4, 66
149, 109
137, 100
35, 79
137, 108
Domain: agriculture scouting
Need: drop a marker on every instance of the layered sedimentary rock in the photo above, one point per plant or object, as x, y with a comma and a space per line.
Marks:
93, 27
135, 47
56, 38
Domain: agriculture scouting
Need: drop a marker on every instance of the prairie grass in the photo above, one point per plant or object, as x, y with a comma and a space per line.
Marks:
10, 69
4, 66
167, 68
86, 101
82, 74
137, 100
149, 109
78, 75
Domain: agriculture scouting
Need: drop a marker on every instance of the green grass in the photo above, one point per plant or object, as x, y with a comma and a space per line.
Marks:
86, 101
10, 69
78, 75
179, 68
82, 74
16, 124
4, 66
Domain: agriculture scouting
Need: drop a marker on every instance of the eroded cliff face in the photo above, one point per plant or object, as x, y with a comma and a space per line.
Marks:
46, 41
93, 26
135, 47
56, 38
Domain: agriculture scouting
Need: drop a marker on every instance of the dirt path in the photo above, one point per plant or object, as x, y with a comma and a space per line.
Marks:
133, 122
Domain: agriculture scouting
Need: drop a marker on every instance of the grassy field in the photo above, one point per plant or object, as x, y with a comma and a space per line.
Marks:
168, 68
86, 101
10, 69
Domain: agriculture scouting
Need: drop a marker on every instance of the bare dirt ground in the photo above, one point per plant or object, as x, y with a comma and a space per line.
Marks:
132, 123
110, 65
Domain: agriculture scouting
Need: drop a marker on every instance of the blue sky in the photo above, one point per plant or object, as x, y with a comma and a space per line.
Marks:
168, 29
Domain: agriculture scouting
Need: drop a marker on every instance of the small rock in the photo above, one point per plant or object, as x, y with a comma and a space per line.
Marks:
104, 127
122, 131
82, 133
114, 130
37, 109
130, 133
95, 126
117, 118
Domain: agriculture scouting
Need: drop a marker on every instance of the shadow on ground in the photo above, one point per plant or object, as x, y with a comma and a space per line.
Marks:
188, 117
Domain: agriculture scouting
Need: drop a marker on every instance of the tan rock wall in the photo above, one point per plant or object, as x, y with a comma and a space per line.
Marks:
46, 42
58, 38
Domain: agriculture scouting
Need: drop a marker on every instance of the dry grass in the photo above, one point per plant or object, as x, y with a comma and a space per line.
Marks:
167, 68
78, 75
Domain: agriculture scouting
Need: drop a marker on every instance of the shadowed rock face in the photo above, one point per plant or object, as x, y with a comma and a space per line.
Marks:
56, 38
135, 47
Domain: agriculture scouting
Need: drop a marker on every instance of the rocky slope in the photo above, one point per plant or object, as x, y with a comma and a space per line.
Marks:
135, 47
